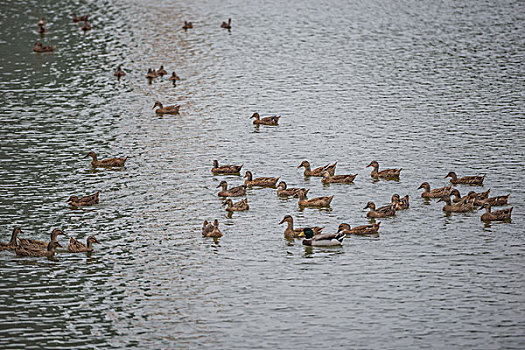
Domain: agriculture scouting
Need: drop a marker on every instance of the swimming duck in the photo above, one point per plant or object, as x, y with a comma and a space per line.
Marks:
30, 244
498, 215
215, 232
227, 25
173, 109
359, 230
79, 19
76, 246
161, 71
42, 48
318, 202
400, 203
151, 74
388, 174
496, 201
232, 192
119, 73
284, 191
260, 181
85, 201
206, 228
436, 192
86, 26
460, 207
324, 240
291, 232
174, 77
42, 22
478, 198
49, 252
317, 171
106, 163
225, 169
11, 245
187, 25
42, 29
239, 206
465, 180
382, 212
272, 120
346, 179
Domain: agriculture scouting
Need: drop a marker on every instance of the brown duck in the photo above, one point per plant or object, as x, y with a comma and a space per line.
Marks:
227, 25
30, 244
318, 202
497, 201
42, 48
150, 75
388, 174
460, 207
11, 245
214, 232
291, 232
435, 193
206, 228
260, 181
80, 18
400, 203
478, 198
86, 26
106, 163
119, 72
345, 179
49, 252
284, 191
465, 180
272, 120
85, 201
232, 192
76, 246
161, 71
187, 25
317, 171
174, 77
173, 109
226, 169
238, 206
359, 230
382, 212
498, 215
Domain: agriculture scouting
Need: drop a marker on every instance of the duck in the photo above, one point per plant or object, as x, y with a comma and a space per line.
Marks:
76, 246
11, 245
49, 252
272, 120
457, 196
330, 168
359, 230
498, 215
79, 19
227, 25
42, 48
161, 71
84, 201
324, 240
187, 25
32, 244
206, 228
239, 206
460, 207
400, 203
215, 232
260, 181
497, 201
226, 169
345, 179
42, 22
151, 74
465, 180
382, 212
42, 29
478, 198
119, 72
436, 192
86, 26
232, 192
173, 109
174, 77
387, 174
106, 163
291, 232
318, 202
284, 191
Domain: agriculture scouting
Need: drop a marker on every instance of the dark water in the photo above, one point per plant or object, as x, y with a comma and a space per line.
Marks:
427, 86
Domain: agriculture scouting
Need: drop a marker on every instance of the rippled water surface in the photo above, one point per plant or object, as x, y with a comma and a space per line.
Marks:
423, 85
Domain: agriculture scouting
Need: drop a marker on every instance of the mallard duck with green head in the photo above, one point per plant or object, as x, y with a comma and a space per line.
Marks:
324, 240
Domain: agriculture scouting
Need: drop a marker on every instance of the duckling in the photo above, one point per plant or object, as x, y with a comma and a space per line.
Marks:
466, 180
346, 179
359, 230
86, 26
317, 171
49, 252
225, 169
400, 203
497, 201
187, 25
79, 247
227, 25
119, 72
382, 212
498, 215
239, 206
174, 77
206, 228
173, 109
31, 244
215, 232
291, 232
42, 48
436, 192
318, 202
42, 22
85, 201
387, 174
325, 240
11, 245
161, 71
260, 181
79, 19
478, 198
459, 207
283, 191
272, 120
106, 163
233, 192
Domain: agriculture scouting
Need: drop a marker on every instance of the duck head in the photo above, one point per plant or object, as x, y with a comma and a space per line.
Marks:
343, 227
370, 205
452, 175
424, 185
287, 218
308, 233
255, 115
157, 104
373, 164
305, 164
223, 184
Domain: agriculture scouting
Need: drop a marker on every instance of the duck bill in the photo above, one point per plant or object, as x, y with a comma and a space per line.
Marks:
301, 234
420, 187
282, 221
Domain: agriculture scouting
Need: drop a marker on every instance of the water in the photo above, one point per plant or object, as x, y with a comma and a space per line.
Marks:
427, 86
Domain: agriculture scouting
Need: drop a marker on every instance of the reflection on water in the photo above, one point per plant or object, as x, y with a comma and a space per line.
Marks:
427, 86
